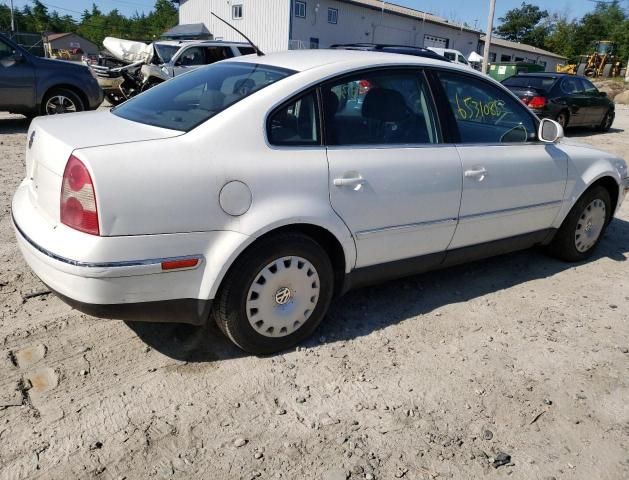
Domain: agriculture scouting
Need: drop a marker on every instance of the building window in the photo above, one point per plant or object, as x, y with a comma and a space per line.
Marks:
492, 57
333, 15
300, 9
236, 12
519, 59
505, 58
314, 42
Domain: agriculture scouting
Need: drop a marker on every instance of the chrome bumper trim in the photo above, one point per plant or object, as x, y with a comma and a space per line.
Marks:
120, 264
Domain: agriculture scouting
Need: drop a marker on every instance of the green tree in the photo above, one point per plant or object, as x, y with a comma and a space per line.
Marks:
524, 24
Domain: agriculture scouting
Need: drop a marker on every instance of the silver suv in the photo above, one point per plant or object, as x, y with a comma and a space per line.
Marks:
174, 57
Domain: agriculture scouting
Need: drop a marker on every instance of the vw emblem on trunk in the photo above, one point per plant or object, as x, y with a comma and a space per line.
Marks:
31, 139
283, 296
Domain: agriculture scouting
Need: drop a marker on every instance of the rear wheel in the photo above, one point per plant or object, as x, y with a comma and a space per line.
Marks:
61, 100
584, 226
276, 294
562, 119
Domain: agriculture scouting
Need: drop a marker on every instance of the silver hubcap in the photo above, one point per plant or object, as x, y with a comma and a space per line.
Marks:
59, 104
590, 225
283, 296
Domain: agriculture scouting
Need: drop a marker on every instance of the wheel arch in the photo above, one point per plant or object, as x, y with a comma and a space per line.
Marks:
342, 252
73, 88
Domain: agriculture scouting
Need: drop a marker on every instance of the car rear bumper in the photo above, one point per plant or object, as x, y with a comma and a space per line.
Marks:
121, 277
123, 290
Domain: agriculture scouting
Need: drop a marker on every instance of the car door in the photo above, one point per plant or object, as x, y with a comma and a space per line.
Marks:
17, 80
392, 180
599, 104
579, 104
512, 183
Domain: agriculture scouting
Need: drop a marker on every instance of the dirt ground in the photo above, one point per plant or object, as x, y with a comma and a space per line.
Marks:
434, 376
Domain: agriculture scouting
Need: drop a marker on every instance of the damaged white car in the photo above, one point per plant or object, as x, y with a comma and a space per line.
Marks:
131, 67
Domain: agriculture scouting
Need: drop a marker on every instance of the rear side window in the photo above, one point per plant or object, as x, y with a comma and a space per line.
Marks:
296, 123
484, 113
571, 86
246, 50
189, 100
216, 54
379, 108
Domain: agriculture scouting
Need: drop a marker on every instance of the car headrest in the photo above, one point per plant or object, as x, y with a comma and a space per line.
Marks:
211, 100
244, 86
385, 105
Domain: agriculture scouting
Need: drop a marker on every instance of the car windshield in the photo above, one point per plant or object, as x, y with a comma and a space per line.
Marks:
166, 52
540, 83
190, 99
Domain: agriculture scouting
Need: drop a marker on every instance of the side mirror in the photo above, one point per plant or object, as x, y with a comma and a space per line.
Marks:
549, 131
18, 57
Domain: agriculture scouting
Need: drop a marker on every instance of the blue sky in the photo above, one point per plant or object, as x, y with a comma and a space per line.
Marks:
473, 12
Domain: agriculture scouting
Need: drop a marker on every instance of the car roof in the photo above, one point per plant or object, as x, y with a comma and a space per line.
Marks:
182, 43
390, 48
302, 60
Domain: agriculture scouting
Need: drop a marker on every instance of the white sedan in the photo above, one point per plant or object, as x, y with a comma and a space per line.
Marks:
256, 189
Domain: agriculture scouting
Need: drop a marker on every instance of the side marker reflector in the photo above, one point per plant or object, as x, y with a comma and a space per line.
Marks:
176, 264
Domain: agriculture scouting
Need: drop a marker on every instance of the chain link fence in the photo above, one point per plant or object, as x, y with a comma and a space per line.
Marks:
32, 42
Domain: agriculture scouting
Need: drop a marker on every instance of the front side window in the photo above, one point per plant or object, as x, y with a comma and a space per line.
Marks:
590, 89
485, 113
461, 59
192, 56
300, 9
236, 12
450, 56
189, 100
296, 123
379, 108
246, 50
333, 15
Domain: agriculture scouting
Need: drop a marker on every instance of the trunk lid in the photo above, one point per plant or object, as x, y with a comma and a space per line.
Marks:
51, 140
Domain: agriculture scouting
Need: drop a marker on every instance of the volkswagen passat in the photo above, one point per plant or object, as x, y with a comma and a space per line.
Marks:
255, 190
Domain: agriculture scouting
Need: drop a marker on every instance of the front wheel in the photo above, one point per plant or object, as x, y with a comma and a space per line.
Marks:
607, 121
584, 226
276, 294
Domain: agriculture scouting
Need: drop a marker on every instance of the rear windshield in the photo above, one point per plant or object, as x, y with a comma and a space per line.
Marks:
540, 83
190, 99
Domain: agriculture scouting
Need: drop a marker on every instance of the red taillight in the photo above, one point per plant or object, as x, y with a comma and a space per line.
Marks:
78, 200
537, 102
364, 86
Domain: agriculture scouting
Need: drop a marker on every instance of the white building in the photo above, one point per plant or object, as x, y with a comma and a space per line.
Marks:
276, 25
289, 24
501, 51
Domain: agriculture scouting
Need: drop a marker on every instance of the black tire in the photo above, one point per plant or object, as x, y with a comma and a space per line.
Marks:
73, 98
563, 118
607, 122
230, 308
564, 245
607, 70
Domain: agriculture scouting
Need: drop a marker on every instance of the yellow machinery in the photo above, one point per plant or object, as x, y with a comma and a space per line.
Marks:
603, 62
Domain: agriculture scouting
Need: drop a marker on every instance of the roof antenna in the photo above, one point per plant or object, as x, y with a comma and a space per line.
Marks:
258, 51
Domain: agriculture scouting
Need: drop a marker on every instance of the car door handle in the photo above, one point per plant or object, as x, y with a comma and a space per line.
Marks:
479, 173
348, 182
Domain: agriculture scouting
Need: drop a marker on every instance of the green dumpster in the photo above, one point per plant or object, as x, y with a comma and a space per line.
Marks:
500, 71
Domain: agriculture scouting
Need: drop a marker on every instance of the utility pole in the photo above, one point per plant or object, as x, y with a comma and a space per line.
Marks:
12, 19
490, 27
